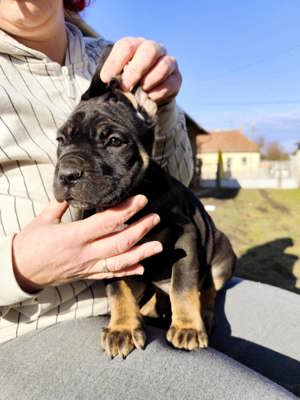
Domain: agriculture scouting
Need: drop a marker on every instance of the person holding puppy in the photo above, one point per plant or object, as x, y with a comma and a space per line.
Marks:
45, 66
51, 263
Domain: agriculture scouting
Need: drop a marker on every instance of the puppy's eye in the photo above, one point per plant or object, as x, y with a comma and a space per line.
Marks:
60, 140
114, 141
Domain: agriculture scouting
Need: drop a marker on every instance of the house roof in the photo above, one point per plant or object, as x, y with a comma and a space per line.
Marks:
194, 126
226, 141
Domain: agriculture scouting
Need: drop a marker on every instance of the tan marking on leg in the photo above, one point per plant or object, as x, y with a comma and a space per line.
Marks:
187, 330
125, 330
122, 304
149, 309
137, 288
219, 281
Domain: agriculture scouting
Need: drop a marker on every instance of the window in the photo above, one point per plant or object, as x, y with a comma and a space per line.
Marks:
244, 160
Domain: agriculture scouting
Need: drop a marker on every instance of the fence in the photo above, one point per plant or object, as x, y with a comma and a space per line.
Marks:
268, 174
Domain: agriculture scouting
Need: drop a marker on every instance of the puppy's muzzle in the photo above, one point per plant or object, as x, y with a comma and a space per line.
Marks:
69, 172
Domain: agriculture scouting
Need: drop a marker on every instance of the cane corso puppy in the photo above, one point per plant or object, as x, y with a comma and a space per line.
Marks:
104, 156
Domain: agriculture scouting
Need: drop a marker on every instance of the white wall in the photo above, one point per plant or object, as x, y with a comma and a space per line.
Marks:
252, 183
236, 165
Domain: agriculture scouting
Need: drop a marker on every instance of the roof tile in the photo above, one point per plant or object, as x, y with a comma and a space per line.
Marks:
226, 141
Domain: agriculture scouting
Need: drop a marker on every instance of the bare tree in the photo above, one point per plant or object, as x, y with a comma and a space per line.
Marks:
261, 142
274, 151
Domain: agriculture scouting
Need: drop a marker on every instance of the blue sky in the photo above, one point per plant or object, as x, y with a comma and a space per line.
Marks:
240, 60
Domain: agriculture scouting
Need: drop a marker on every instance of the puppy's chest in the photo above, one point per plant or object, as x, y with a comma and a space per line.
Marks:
159, 267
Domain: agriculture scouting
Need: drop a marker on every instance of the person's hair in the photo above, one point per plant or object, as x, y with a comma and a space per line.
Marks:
76, 5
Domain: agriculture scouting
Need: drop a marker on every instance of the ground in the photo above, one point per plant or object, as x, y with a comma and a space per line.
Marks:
264, 228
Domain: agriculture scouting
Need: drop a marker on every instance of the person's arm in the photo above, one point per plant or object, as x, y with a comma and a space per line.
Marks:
172, 147
10, 291
149, 63
49, 253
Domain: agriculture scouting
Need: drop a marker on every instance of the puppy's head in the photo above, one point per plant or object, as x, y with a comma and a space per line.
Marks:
103, 148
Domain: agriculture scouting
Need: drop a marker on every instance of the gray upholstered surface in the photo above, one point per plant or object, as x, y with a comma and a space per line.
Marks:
65, 361
259, 325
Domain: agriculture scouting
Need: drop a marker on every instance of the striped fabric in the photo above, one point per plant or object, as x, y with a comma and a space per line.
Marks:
37, 95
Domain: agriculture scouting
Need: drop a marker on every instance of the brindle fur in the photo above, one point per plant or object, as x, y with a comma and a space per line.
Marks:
92, 173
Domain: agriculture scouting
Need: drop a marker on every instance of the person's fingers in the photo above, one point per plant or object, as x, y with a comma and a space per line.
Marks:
137, 269
166, 90
120, 242
146, 55
121, 53
165, 67
108, 221
53, 212
129, 258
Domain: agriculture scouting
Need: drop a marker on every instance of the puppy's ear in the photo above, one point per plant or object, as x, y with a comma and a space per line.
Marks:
144, 102
97, 87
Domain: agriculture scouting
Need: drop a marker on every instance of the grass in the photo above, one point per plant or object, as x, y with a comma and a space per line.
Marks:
264, 228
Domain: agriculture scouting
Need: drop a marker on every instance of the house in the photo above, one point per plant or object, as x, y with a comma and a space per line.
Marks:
297, 162
298, 153
240, 156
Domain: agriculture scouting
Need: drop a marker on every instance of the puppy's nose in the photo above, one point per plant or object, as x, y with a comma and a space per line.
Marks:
69, 174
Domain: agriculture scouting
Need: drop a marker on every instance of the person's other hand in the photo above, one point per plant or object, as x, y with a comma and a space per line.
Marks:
49, 253
144, 61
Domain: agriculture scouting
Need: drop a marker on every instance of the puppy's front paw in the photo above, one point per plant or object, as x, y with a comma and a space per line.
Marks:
122, 341
187, 338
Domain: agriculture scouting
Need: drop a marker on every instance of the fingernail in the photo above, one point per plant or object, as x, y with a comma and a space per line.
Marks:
140, 271
158, 248
142, 200
155, 219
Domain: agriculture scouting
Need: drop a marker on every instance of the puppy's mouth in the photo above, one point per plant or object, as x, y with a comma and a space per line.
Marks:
79, 203
107, 200
88, 205
87, 193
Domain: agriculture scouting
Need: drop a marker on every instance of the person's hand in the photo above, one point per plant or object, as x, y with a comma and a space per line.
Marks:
49, 253
144, 61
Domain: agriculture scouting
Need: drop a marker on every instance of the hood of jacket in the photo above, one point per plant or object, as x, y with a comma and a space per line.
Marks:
75, 53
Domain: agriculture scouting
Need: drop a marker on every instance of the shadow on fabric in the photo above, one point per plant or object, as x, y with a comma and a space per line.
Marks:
277, 367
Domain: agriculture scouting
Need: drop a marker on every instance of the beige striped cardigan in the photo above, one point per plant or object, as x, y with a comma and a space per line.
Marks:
36, 97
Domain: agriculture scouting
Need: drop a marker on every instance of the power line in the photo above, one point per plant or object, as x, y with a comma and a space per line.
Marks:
246, 66
248, 103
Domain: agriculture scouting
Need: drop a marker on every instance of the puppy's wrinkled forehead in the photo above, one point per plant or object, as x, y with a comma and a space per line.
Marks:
96, 113
112, 112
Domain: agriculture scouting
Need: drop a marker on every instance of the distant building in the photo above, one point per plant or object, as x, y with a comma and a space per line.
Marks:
298, 151
297, 159
240, 155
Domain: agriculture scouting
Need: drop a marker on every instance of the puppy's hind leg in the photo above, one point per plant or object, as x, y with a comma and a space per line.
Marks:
223, 261
125, 331
222, 267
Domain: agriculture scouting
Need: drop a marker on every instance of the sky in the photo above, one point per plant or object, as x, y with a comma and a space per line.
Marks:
240, 60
